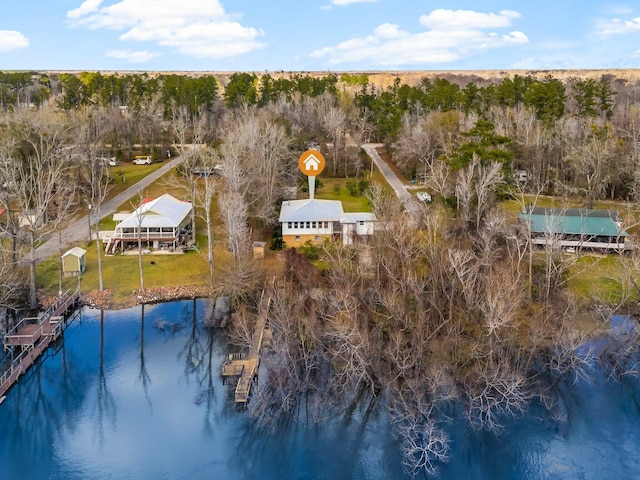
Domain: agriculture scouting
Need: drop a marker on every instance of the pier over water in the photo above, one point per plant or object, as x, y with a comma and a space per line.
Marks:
33, 335
244, 366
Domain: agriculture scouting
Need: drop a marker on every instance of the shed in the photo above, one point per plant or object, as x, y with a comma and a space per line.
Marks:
258, 249
73, 262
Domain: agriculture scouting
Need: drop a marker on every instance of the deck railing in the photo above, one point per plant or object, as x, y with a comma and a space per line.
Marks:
143, 236
32, 349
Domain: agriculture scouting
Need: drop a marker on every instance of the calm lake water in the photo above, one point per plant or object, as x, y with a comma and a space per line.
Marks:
139, 396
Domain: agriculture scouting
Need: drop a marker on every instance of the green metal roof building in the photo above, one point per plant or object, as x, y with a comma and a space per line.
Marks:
575, 228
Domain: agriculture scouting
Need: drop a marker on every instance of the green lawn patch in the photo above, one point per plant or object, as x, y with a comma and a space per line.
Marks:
602, 277
121, 274
336, 189
127, 174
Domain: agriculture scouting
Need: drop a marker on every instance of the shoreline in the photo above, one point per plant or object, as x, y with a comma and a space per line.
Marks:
104, 300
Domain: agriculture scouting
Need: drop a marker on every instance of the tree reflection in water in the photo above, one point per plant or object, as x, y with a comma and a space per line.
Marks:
105, 404
41, 403
143, 376
198, 362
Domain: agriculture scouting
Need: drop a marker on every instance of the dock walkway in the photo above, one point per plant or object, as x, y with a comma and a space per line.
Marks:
33, 335
244, 366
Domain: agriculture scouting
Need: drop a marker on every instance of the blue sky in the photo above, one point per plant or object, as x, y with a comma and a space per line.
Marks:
311, 35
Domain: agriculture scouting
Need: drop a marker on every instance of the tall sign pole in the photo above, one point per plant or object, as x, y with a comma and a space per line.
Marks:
311, 163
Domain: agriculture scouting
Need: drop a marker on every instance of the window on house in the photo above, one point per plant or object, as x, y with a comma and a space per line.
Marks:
308, 224
313, 224
317, 238
290, 224
297, 238
361, 222
295, 224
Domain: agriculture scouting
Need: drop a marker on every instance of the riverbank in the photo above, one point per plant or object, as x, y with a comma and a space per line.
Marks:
106, 300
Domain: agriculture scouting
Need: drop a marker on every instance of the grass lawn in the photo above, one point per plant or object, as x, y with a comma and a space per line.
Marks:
335, 189
127, 174
121, 275
600, 277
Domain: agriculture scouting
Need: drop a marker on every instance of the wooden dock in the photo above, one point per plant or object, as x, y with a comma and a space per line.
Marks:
33, 335
244, 366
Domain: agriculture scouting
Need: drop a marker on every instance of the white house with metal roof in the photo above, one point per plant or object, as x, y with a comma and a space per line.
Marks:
162, 224
315, 220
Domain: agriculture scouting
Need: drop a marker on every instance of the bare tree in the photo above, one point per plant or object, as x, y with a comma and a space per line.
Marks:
415, 144
13, 287
205, 199
91, 132
39, 169
190, 132
140, 215
256, 161
476, 186
334, 121
424, 445
495, 392
235, 215
591, 162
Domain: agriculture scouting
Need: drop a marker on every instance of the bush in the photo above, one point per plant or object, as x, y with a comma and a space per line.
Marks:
336, 188
363, 186
310, 250
276, 239
352, 186
304, 184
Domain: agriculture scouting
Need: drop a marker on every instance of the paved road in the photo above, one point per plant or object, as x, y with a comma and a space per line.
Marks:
409, 201
78, 231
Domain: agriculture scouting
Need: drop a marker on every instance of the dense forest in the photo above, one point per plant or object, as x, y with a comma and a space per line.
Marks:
451, 313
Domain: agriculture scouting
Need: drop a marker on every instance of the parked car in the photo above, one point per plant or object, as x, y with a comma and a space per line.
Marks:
111, 161
142, 160
424, 197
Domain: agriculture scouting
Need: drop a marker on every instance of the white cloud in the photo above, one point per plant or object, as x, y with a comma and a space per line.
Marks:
467, 19
88, 6
196, 28
450, 36
12, 40
141, 56
615, 26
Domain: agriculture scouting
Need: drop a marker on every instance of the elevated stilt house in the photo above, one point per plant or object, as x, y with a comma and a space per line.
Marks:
161, 224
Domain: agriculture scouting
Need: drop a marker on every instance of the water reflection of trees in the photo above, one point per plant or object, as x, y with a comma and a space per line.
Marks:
43, 402
143, 375
105, 403
198, 357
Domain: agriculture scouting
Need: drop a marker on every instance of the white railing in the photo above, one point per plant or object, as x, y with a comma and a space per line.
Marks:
143, 236
619, 246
